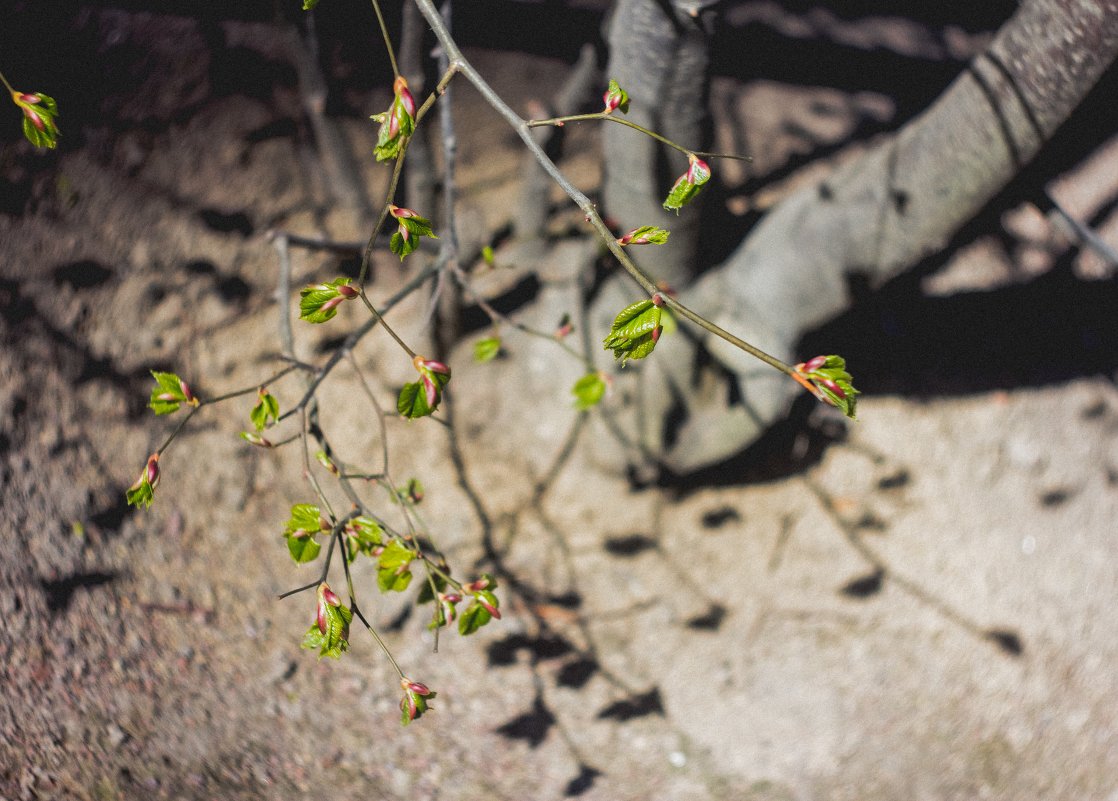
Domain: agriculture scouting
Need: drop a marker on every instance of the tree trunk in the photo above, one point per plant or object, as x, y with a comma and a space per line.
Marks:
882, 214
659, 53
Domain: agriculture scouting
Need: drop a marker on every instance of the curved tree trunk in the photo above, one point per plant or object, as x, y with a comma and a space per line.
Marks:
882, 214
659, 53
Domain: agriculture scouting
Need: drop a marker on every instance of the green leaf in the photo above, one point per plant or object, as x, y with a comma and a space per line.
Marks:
836, 384
169, 393
688, 185
406, 239
394, 567
486, 350
474, 616
300, 531
412, 402
140, 496
39, 112
308, 5
267, 409
363, 536
396, 125
335, 641
589, 391
319, 303
303, 548
616, 97
634, 331
645, 235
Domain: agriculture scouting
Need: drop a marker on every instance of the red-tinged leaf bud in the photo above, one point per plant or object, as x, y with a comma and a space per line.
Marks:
400, 88
476, 586
490, 608
151, 471
398, 212
187, 393
324, 523
36, 120
31, 98
564, 331
832, 386
348, 291
320, 616
430, 391
450, 597
328, 595
333, 303
415, 687
811, 365
656, 334
252, 438
167, 396
409, 707
657, 299
698, 171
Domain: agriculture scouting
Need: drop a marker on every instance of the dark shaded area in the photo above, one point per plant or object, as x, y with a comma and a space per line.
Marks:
60, 592
504, 652
865, 586
1050, 330
895, 481
84, 274
1055, 497
531, 727
717, 518
110, 517
233, 289
74, 358
1007, 640
236, 222
710, 620
577, 673
629, 545
636, 706
473, 318
582, 782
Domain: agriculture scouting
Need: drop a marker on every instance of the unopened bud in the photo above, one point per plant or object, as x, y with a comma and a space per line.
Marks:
811, 365
832, 386
656, 334
347, 291
400, 88
31, 98
151, 471
328, 595
490, 608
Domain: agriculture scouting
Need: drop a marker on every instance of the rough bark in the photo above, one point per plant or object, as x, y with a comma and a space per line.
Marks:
884, 213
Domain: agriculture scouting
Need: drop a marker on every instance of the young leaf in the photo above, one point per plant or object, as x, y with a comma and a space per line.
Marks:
688, 185
319, 303
832, 383
300, 531
482, 609
645, 235
422, 397
396, 124
589, 391
616, 98
308, 5
635, 331
169, 393
334, 641
266, 411
141, 493
414, 703
394, 567
486, 350
39, 111
411, 227
363, 535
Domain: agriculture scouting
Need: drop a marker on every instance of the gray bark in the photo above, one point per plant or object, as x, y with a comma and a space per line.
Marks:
879, 216
659, 53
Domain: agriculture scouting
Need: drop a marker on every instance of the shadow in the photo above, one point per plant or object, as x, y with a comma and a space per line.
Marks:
629, 545
532, 727
60, 592
503, 652
635, 706
85, 274
582, 782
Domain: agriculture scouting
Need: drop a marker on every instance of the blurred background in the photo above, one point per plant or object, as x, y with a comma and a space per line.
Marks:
918, 604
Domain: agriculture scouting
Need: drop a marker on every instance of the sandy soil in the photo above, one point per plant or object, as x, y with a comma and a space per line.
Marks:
918, 605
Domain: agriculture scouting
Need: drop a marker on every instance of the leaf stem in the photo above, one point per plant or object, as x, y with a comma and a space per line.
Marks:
7, 85
601, 115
